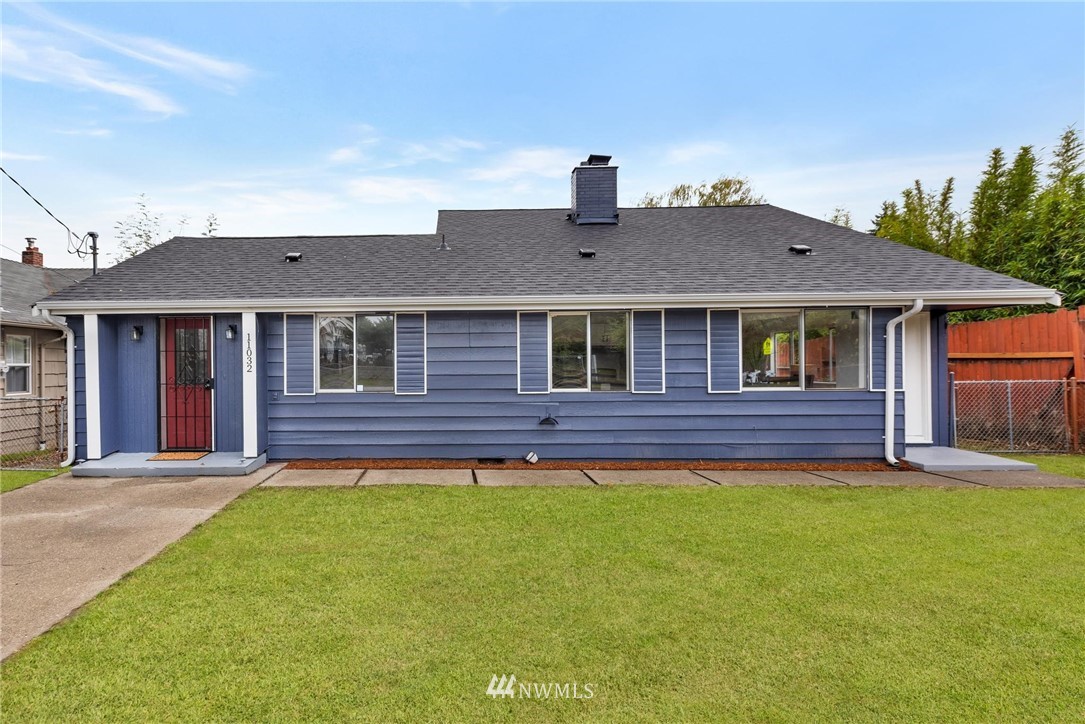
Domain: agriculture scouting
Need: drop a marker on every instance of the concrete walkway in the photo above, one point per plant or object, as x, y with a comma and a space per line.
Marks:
522, 477
65, 540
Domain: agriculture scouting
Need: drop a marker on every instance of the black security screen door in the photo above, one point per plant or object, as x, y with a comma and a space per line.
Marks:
185, 383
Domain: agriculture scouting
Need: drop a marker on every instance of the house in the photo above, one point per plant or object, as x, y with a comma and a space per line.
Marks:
32, 353
588, 332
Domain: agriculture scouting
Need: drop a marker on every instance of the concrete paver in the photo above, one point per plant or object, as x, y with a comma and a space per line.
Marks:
1024, 479
646, 477
531, 477
438, 476
906, 478
765, 477
66, 539
312, 478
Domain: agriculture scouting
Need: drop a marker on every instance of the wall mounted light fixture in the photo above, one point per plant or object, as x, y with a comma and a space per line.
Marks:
137, 332
231, 331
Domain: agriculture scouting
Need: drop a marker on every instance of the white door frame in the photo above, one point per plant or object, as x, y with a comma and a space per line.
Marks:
918, 398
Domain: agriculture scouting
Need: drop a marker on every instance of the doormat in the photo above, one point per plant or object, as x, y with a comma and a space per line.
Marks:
178, 456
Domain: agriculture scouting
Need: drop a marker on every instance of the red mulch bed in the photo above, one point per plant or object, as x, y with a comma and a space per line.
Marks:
511, 464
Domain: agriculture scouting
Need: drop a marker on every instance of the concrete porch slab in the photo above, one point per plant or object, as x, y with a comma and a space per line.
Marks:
139, 465
1024, 479
889, 478
645, 477
765, 477
312, 478
495, 478
946, 459
437, 476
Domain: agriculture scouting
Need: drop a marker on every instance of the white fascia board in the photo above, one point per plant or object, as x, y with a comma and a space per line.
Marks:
980, 298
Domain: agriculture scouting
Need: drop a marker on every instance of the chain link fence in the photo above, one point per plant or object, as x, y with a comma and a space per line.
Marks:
1013, 415
32, 432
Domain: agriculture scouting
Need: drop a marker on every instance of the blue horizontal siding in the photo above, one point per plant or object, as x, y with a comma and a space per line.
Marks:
880, 317
410, 354
300, 354
472, 408
648, 351
723, 341
534, 351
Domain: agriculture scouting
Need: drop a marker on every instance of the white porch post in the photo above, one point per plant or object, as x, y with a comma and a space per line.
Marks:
249, 362
93, 391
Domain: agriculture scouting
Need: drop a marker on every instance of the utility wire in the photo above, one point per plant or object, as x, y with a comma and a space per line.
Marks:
77, 249
52, 270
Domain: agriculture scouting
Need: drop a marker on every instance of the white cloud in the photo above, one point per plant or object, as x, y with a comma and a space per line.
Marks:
34, 57
697, 151
519, 163
444, 150
395, 189
183, 62
347, 154
11, 156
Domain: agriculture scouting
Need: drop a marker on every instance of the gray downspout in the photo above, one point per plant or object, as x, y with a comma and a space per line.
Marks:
891, 378
70, 365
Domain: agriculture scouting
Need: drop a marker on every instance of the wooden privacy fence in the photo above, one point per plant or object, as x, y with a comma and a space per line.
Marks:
1016, 382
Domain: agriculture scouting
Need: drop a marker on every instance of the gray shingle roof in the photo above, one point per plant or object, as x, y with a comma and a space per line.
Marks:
666, 251
21, 285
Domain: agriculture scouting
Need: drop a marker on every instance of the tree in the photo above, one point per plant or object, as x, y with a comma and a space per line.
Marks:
841, 217
923, 220
724, 191
142, 230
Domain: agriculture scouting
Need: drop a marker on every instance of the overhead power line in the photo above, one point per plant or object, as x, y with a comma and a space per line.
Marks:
79, 249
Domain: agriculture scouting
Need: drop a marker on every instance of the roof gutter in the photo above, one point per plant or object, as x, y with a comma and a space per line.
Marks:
891, 378
69, 362
976, 298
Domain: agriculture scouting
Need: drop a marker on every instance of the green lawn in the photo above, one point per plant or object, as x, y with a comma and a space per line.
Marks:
1071, 465
713, 604
12, 479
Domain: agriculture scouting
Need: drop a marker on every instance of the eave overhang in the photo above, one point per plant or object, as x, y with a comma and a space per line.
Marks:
951, 300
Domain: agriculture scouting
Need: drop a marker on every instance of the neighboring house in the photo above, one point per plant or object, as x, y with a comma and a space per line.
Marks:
32, 351
589, 332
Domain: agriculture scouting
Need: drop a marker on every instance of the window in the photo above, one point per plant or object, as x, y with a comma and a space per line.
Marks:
836, 348
17, 357
356, 353
335, 354
805, 349
375, 352
589, 347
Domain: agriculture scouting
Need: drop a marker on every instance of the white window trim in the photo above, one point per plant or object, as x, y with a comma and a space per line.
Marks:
708, 350
316, 353
802, 353
395, 353
425, 353
29, 365
519, 384
286, 376
662, 352
586, 313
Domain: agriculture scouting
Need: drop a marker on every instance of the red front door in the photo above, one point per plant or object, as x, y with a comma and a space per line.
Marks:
185, 394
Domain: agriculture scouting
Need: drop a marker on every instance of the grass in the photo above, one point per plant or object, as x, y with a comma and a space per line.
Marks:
714, 604
14, 479
1069, 465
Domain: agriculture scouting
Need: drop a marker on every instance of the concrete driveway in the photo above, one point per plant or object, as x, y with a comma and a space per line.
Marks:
65, 540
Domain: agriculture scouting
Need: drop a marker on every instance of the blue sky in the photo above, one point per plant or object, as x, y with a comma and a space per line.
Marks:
367, 118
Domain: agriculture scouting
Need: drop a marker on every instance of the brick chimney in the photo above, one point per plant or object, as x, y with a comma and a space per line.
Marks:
595, 191
31, 254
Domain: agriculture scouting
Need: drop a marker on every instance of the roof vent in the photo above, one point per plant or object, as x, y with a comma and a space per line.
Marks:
444, 245
800, 249
587, 253
293, 256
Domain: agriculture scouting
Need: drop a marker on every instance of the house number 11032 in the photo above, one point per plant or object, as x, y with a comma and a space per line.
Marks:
248, 353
